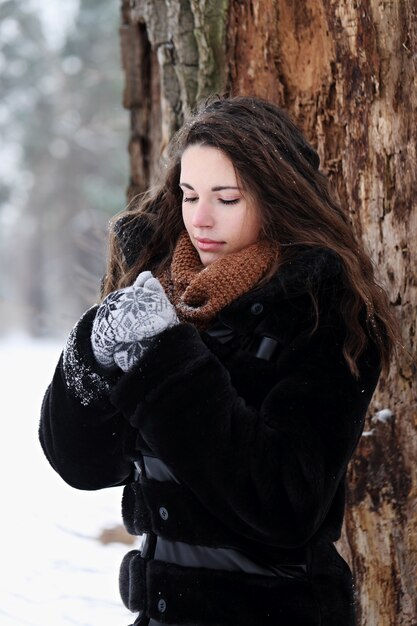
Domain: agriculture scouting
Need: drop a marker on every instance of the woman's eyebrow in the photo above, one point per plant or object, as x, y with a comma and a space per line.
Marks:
217, 188
220, 188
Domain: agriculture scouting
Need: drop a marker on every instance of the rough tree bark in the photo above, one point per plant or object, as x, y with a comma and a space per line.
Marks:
173, 54
346, 71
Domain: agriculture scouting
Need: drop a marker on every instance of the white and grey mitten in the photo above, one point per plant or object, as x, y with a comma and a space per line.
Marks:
128, 319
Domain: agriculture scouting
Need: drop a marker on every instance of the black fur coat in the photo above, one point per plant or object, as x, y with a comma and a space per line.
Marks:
259, 446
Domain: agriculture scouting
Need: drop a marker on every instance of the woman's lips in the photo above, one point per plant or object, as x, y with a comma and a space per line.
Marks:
208, 245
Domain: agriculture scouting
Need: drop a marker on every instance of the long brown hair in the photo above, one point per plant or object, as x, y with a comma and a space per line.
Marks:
279, 170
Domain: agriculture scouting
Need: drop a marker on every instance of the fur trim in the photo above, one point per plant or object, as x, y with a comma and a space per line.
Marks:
85, 378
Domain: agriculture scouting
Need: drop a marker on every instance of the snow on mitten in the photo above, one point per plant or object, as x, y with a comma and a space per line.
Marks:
84, 377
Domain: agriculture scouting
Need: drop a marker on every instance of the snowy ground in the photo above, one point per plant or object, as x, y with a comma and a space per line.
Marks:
54, 571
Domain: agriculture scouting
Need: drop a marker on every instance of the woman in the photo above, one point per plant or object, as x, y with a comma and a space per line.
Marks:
225, 377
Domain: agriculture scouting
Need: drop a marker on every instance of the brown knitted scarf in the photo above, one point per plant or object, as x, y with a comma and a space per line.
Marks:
199, 293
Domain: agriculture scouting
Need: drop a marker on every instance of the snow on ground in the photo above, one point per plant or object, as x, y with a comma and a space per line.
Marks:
54, 571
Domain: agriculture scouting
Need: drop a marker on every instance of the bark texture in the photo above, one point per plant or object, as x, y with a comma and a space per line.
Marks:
173, 54
347, 73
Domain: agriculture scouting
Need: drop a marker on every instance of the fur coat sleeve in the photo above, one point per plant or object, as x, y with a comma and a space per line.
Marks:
82, 434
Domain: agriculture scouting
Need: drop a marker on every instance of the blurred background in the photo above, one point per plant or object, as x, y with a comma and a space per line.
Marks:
63, 174
63, 158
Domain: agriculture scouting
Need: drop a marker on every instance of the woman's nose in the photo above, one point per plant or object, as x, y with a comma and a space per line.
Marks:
203, 215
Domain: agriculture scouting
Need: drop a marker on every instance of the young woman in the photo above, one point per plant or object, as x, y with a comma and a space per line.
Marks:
225, 377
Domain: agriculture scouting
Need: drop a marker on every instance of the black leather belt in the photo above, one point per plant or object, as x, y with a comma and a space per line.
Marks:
173, 594
169, 510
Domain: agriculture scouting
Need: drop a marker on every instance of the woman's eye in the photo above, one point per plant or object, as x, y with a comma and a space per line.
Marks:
221, 200
234, 201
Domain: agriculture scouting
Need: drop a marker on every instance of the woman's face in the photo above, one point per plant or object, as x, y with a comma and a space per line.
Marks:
217, 216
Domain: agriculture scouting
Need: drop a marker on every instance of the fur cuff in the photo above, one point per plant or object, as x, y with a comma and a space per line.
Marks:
84, 377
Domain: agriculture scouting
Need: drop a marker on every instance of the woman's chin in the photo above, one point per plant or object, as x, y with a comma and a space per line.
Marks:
207, 258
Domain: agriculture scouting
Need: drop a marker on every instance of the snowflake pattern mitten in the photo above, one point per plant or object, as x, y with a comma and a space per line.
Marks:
128, 319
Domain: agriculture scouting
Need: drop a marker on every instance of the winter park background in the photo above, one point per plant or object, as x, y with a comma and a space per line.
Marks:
63, 173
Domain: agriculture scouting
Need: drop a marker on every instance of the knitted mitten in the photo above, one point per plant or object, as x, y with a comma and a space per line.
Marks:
128, 319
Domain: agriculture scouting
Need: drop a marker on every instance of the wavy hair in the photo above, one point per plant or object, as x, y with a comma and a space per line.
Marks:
279, 170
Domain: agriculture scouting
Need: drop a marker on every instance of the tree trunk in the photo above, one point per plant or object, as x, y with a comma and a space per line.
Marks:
346, 72
173, 54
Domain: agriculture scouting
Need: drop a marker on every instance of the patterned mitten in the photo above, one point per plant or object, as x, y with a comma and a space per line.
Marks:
127, 320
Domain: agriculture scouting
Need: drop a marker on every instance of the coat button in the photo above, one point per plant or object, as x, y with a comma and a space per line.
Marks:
257, 308
163, 513
162, 605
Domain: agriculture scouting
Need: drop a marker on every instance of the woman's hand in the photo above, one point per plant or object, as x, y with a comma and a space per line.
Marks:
127, 320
